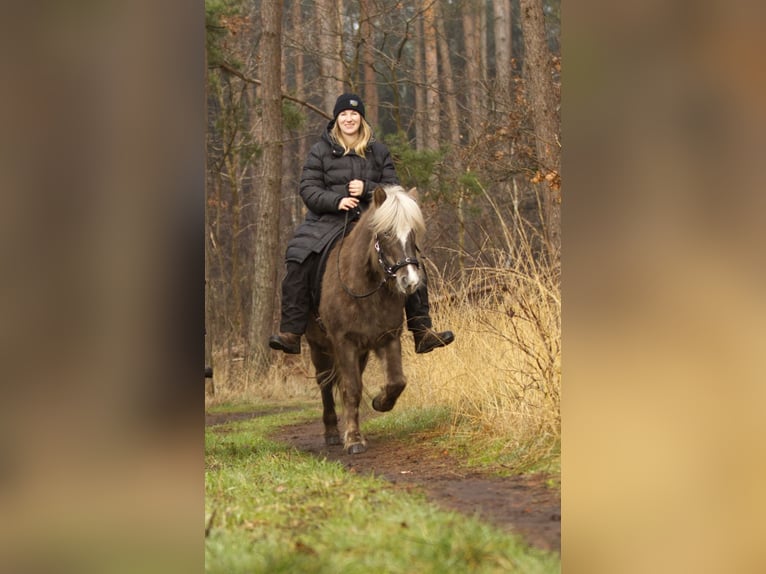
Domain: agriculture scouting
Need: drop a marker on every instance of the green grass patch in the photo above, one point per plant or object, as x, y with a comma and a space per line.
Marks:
438, 427
410, 423
503, 455
271, 508
263, 407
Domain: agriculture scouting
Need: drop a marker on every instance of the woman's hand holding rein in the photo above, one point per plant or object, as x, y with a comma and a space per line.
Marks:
348, 203
355, 188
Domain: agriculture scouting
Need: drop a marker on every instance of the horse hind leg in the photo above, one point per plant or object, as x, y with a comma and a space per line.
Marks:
326, 378
329, 417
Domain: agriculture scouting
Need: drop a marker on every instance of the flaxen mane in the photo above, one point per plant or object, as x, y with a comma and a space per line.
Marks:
398, 215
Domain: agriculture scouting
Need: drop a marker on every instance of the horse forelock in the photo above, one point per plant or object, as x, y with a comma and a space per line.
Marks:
398, 215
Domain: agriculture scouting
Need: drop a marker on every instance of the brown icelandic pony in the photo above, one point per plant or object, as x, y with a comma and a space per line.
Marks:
369, 274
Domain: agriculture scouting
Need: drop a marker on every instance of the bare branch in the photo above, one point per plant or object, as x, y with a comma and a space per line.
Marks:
249, 80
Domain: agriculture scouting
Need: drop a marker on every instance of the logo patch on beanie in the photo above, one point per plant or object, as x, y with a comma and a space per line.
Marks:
354, 103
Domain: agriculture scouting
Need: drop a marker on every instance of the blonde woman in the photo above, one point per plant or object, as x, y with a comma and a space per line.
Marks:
339, 176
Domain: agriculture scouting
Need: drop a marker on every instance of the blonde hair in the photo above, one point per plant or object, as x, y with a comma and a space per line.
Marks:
362, 139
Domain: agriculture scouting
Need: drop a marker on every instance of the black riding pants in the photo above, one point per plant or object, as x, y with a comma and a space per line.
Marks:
296, 299
296, 294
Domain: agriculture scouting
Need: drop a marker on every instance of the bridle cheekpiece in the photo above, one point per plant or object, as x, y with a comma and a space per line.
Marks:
390, 270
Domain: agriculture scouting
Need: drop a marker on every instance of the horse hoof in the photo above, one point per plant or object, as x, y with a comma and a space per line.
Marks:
332, 439
382, 406
356, 448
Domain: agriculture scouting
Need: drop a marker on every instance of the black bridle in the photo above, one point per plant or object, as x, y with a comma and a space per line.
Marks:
389, 271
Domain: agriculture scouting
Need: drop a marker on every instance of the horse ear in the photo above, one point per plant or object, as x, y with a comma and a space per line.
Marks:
379, 196
413, 193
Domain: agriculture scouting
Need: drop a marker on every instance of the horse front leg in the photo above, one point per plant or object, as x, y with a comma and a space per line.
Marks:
391, 354
326, 379
350, 373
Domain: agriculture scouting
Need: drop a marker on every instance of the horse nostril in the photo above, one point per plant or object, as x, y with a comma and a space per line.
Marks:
408, 284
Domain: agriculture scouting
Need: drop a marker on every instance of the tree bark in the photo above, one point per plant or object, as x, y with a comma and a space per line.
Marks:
453, 127
433, 106
450, 98
420, 90
341, 72
472, 66
481, 9
267, 201
209, 301
503, 31
296, 211
370, 91
331, 69
539, 84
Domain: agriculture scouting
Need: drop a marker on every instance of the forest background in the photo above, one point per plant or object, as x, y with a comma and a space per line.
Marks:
466, 94
103, 169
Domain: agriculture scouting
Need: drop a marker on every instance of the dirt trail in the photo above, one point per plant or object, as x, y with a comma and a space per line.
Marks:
519, 504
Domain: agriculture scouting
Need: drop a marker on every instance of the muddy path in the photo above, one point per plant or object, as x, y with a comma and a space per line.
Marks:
524, 505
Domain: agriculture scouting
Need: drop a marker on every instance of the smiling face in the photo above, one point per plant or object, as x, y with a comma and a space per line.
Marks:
349, 122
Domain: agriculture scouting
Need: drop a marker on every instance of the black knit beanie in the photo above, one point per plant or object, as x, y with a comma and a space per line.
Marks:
348, 102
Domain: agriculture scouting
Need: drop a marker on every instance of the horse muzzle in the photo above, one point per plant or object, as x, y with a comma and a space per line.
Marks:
406, 272
408, 278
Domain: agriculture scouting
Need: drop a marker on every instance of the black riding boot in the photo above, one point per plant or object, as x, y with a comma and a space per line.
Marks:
417, 309
296, 305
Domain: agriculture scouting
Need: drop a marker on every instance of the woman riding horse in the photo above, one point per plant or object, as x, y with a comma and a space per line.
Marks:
369, 275
337, 183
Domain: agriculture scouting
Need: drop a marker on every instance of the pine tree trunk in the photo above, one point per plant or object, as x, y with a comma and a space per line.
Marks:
432, 76
539, 85
267, 200
453, 125
472, 67
450, 99
502, 29
420, 91
296, 211
370, 92
329, 47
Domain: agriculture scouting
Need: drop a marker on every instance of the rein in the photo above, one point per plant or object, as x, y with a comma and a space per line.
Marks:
388, 270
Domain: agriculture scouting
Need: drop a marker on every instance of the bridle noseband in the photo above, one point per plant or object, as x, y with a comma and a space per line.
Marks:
390, 270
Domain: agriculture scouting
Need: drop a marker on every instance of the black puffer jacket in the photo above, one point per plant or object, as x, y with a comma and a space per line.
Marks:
324, 182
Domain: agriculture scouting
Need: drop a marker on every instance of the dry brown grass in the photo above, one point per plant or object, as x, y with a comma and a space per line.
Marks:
502, 376
289, 377
501, 379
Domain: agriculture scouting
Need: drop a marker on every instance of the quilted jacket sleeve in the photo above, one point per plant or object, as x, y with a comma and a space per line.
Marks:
313, 189
383, 171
